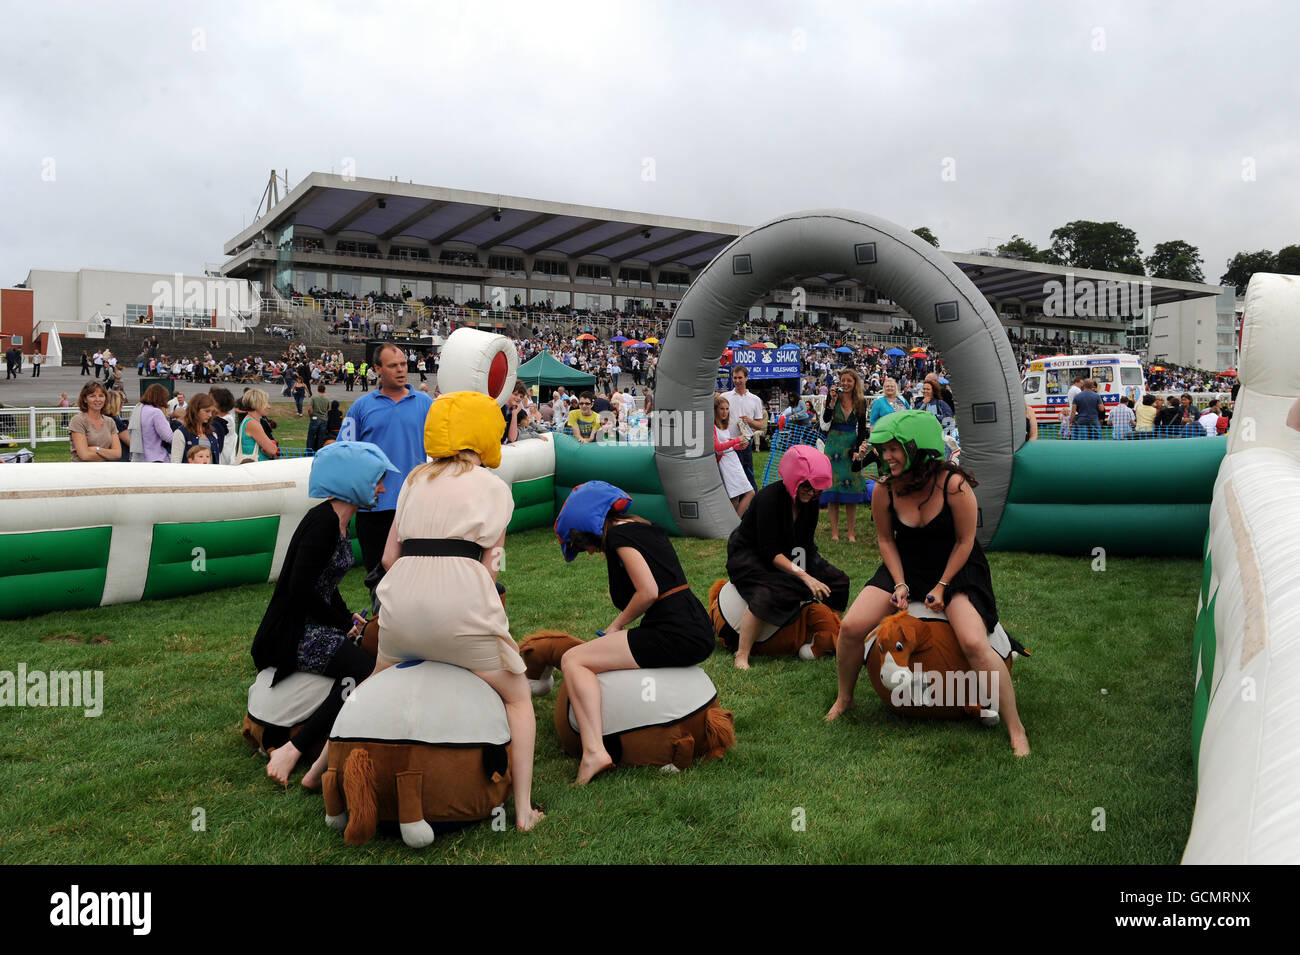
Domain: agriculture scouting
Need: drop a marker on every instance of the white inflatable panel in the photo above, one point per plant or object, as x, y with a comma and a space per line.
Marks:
1248, 797
527, 460
466, 363
424, 702
634, 699
291, 701
1270, 340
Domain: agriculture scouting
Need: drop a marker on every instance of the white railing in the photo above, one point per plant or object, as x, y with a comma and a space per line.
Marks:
34, 425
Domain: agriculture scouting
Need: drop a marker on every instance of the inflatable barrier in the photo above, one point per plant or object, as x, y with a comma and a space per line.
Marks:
95, 534
1128, 497
629, 466
1247, 638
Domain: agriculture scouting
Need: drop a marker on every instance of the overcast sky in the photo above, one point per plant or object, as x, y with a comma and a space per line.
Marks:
140, 135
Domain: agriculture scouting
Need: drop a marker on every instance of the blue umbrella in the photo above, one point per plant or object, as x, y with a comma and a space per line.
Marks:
844, 350
644, 345
618, 338
894, 351
738, 343
821, 345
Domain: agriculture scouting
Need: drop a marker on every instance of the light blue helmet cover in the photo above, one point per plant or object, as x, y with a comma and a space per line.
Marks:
586, 510
349, 471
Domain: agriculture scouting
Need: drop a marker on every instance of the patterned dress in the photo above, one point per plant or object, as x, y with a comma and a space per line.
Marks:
847, 486
319, 642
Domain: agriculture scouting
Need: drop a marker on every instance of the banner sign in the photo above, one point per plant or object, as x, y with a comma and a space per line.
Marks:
768, 362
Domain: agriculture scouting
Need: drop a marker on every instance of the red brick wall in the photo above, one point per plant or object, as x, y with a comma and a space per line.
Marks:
16, 315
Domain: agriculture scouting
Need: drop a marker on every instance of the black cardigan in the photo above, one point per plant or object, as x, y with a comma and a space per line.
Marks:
770, 527
295, 600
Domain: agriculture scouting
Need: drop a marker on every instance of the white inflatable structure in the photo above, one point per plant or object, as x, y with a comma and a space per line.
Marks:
1246, 716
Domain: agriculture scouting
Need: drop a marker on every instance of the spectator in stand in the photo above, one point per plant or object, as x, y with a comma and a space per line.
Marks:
889, 402
195, 428
1209, 419
1145, 416
154, 434
931, 402
584, 422
734, 481
748, 417
1121, 419
333, 422
1085, 413
92, 434
223, 423
113, 408
176, 406
252, 434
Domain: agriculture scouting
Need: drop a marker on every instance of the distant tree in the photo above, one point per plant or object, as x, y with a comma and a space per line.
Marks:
925, 233
1019, 248
1107, 246
1177, 260
1245, 264
1288, 260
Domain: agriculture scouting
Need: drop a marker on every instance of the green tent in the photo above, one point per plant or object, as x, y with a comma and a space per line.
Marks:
547, 371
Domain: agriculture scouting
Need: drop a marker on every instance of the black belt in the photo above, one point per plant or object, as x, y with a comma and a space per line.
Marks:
440, 547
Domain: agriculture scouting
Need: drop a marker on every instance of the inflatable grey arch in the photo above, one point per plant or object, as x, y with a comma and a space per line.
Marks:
959, 321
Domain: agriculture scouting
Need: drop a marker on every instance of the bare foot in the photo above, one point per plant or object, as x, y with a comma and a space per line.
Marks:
311, 780
837, 710
742, 662
835, 537
1020, 744
593, 766
283, 760
526, 820
852, 539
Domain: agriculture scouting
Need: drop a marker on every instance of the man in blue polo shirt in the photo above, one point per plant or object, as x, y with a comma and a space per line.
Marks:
392, 418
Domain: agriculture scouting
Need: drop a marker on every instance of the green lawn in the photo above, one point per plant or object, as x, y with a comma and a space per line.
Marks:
873, 787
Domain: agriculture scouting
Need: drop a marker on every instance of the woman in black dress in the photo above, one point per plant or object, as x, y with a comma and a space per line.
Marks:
771, 557
925, 526
645, 577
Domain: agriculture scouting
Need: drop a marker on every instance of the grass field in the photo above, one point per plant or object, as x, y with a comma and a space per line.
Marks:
871, 788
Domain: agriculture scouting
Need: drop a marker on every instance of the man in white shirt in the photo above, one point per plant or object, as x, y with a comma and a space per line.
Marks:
176, 407
747, 417
1209, 420
99, 362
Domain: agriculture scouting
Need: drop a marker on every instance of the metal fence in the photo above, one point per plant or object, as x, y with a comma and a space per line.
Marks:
1106, 432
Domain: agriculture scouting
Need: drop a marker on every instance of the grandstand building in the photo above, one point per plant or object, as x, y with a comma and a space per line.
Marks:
334, 239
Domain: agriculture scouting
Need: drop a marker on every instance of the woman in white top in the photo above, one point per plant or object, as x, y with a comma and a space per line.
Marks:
724, 446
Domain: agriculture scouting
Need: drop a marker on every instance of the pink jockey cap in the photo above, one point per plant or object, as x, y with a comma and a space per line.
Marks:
804, 463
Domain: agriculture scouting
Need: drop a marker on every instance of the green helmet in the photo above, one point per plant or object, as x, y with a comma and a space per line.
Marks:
919, 432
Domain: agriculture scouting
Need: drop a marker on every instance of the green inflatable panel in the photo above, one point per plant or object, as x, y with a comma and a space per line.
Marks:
1173, 471
1119, 528
537, 491
232, 553
1207, 641
53, 570
532, 515
629, 466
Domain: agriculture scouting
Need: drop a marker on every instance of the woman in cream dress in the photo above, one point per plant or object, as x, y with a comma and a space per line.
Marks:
438, 598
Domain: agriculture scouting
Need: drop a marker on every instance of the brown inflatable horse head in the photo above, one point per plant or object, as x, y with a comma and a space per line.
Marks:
919, 669
812, 634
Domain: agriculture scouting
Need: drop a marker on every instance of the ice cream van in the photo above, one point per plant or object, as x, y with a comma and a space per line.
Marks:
1048, 380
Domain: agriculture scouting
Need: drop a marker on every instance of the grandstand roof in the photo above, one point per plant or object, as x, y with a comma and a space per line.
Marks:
387, 209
